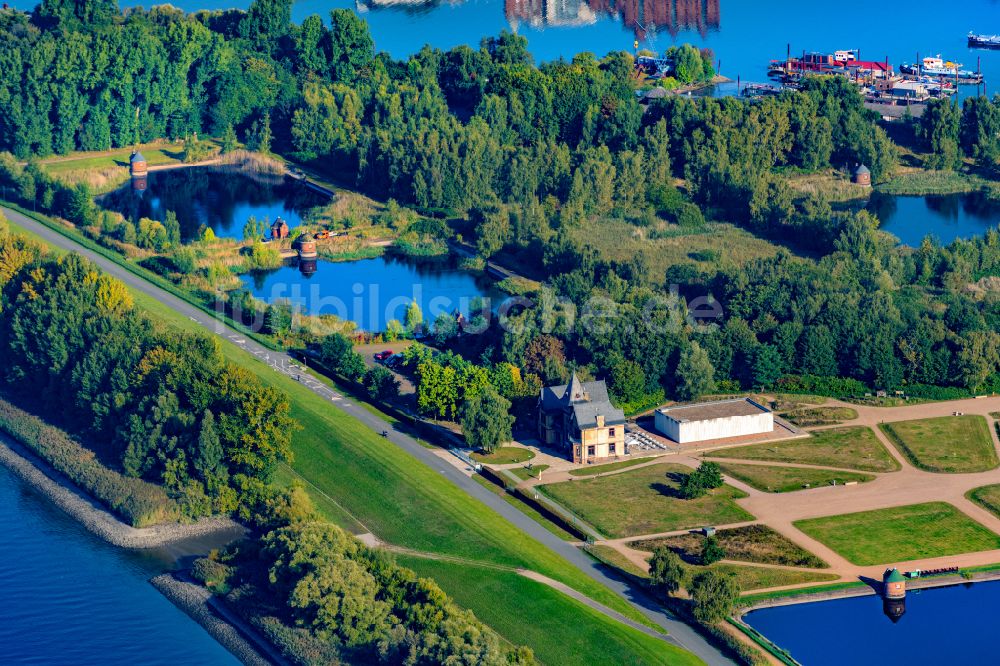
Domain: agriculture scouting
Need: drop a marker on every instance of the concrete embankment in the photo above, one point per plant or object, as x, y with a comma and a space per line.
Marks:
221, 623
35, 472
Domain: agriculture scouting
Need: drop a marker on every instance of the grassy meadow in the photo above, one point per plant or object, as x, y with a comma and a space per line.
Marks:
852, 447
946, 444
912, 532
645, 501
774, 479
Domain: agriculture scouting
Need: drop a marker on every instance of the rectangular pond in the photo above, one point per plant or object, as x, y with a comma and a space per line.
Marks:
946, 625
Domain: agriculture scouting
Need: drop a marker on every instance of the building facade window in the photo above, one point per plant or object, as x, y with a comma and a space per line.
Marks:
611, 449
611, 432
590, 451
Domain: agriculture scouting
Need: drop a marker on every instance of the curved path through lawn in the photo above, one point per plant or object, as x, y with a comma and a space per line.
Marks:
906, 486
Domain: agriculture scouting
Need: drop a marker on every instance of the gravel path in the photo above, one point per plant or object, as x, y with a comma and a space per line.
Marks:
36, 473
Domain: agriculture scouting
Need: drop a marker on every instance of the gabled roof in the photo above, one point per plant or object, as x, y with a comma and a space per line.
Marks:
279, 222
564, 395
136, 157
862, 169
587, 401
586, 413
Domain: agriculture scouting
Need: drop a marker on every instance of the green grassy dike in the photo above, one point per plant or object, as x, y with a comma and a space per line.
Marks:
517, 606
357, 478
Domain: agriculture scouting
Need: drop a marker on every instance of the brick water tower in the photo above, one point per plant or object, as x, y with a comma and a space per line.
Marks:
893, 584
138, 169
862, 176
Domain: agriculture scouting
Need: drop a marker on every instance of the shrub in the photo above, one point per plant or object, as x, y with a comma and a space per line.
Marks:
215, 575
381, 384
139, 502
699, 482
713, 596
711, 551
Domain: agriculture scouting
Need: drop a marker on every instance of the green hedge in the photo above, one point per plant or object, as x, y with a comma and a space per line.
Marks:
840, 387
138, 502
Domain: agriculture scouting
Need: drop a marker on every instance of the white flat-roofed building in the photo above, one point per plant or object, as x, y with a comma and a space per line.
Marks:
721, 419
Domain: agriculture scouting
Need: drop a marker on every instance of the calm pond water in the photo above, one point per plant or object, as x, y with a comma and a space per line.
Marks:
370, 292
69, 598
221, 199
744, 35
948, 625
945, 217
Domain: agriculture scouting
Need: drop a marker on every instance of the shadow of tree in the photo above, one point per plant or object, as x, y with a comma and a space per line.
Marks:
665, 490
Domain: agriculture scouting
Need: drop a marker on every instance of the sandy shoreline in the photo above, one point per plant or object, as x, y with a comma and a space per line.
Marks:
221, 624
60, 491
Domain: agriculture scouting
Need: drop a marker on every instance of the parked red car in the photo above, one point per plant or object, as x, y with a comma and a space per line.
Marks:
382, 355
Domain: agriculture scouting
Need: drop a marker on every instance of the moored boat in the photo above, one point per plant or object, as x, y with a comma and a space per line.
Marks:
984, 41
935, 66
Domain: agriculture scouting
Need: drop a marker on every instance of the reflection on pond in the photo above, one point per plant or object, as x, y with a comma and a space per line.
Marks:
370, 292
214, 197
946, 217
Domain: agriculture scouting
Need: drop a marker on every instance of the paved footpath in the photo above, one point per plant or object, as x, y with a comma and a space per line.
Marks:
680, 633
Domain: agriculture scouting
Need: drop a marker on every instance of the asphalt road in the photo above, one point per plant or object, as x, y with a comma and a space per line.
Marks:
679, 634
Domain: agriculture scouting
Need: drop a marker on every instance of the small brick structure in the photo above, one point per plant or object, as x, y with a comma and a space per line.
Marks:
306, 247
279, 229
137, 166
893, 584
862, 176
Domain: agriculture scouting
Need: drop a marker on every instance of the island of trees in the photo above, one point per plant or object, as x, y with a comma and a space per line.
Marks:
532, 164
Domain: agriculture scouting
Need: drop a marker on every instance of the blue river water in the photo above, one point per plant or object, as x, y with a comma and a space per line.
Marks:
68, 598
948, 625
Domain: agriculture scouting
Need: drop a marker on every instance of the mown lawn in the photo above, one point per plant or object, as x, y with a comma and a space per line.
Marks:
560, 629
645, 501
946, 444
987, 497
852, 447
155, 155
505, 455
752, 543
524, 473
591, 470
773, 479
886, 536
403, 501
